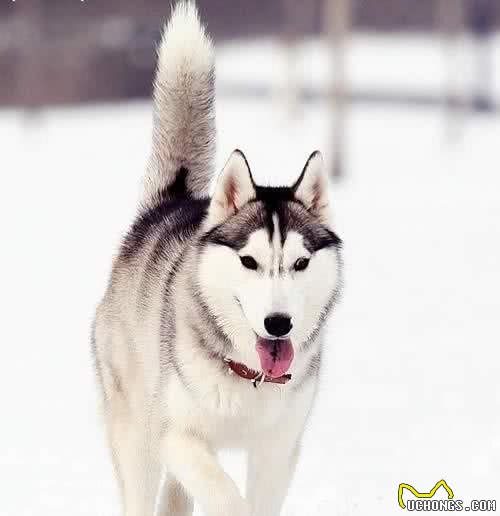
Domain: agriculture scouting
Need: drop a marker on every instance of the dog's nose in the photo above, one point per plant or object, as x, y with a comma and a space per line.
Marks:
278, 325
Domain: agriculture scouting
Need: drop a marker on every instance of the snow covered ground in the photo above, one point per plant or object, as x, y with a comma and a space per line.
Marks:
410, 391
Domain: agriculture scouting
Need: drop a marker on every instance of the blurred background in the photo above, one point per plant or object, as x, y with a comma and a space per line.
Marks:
441, 53
402, 98
84, 51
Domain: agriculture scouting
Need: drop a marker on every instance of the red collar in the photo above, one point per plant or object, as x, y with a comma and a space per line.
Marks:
256, 377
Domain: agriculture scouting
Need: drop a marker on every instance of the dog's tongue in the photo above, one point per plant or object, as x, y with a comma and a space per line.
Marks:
276, 356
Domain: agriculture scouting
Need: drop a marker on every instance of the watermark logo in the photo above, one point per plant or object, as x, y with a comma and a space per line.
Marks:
424, 501
430, 494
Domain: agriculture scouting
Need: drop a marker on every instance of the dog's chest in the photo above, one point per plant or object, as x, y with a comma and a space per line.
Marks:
234, 413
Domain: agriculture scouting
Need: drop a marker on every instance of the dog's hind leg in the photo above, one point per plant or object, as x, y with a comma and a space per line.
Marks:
174, 500
134, 449
130, 411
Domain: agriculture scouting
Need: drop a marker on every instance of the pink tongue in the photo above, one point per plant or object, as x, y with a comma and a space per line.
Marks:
275, 356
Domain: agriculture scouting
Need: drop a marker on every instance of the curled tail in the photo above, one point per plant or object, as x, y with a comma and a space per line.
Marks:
183, 147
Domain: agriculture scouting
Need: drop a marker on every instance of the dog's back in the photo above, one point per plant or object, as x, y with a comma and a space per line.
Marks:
173, 204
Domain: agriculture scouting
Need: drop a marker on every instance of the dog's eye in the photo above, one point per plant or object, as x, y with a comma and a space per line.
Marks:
301, 264
249, 262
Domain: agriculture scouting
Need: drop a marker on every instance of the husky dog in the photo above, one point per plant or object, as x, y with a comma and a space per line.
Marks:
209, 333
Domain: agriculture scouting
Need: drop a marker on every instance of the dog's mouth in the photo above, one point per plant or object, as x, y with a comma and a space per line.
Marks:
276, 356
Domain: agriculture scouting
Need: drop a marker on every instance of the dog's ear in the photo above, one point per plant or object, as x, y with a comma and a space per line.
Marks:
234, 188
311, 188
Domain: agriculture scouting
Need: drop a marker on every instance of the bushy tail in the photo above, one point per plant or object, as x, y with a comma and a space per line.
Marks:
183, 147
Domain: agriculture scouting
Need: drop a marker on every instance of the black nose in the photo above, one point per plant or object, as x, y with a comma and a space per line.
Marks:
278, 324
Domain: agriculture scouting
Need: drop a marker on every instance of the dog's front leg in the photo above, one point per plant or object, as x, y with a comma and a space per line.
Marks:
271, 464
194, 464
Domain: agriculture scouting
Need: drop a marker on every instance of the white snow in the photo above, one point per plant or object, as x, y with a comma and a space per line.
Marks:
410, 390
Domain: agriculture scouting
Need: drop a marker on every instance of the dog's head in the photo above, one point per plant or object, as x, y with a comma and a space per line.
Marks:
269, 264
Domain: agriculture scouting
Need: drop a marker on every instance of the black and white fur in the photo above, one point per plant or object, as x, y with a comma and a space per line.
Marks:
179, 302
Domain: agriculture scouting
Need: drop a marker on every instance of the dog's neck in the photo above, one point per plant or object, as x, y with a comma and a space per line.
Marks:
256, 377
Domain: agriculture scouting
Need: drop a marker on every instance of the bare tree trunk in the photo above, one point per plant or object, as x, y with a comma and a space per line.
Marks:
337, 19
29, 76
482, 26
296, 14
451, 18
